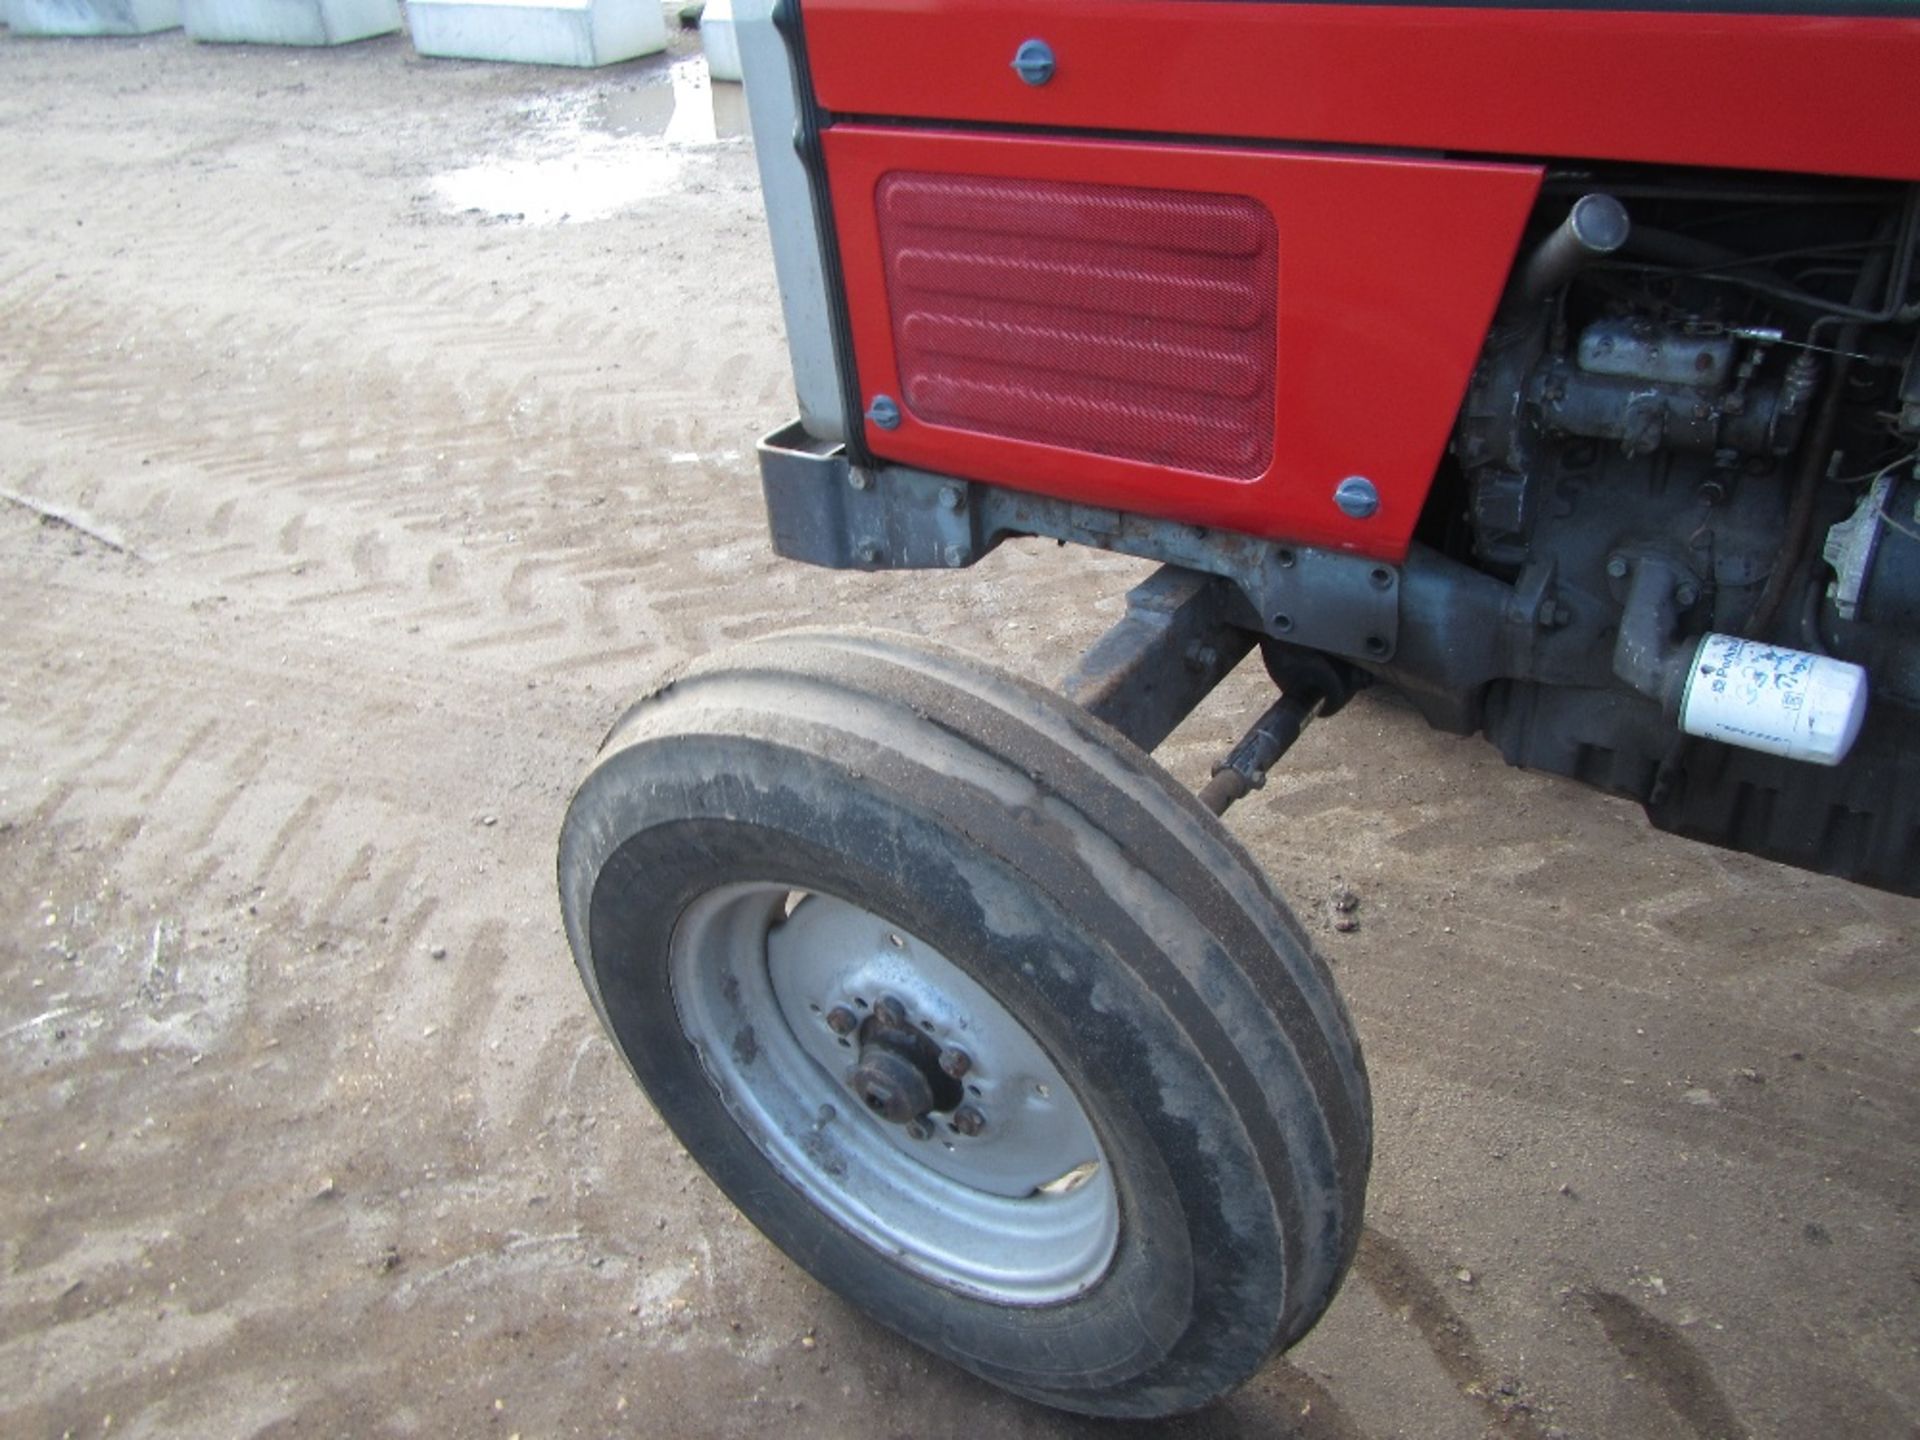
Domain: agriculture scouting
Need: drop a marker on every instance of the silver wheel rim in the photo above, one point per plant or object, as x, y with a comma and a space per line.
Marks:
1023, 1210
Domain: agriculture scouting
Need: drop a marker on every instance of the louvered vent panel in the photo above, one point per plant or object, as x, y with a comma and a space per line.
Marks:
1121, 321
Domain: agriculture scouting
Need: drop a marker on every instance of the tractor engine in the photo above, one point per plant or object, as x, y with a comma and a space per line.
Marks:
1697, 415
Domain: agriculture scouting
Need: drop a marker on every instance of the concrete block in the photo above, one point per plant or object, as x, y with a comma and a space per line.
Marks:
288, 22
538, 32
92, 17
719, 40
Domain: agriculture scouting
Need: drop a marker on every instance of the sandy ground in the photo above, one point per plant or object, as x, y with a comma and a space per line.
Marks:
384, 488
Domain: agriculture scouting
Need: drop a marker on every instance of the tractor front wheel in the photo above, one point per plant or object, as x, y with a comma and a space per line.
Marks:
978, 1015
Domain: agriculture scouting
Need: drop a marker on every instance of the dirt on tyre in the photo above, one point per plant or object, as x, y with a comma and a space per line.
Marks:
976, 1013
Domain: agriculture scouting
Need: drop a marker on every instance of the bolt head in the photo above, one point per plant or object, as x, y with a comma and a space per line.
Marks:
884, 412
917, 1130
1033, 62
968, 1120
950, 497
1617, 568
1356, 497
956, 1062
889, 1011
1685, 593
842, 1021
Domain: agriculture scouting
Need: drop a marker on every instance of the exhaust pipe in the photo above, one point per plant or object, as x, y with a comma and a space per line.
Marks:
1595, 227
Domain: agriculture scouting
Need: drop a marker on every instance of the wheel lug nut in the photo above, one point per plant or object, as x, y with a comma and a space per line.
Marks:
955, 1062
842, 1021
969, 1121
889, 1011
916, 1130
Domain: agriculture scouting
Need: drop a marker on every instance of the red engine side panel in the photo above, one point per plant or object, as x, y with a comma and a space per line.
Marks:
1823, 94
1388, 271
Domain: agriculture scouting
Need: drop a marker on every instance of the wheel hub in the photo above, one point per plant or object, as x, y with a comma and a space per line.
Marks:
895, 1093
899, 1076
890, 1085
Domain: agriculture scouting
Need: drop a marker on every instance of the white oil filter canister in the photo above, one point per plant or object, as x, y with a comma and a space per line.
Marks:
1767, 697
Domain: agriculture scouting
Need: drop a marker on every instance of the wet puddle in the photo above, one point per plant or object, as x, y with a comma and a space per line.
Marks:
590, 156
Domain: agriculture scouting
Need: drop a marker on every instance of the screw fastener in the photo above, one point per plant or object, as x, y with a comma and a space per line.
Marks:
884, 413
1356, 497
1033, 62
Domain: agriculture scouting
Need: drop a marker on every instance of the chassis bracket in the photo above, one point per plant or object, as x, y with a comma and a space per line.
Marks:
825, 510
1175, 643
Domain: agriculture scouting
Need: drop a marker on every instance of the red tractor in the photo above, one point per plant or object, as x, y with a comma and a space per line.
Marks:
1555, 367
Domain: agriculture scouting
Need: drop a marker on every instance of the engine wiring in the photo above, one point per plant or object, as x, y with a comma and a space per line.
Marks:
1726, 269
1886, 517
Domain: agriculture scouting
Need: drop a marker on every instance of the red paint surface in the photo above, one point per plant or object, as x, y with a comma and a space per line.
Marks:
1824, 94
1388, 273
